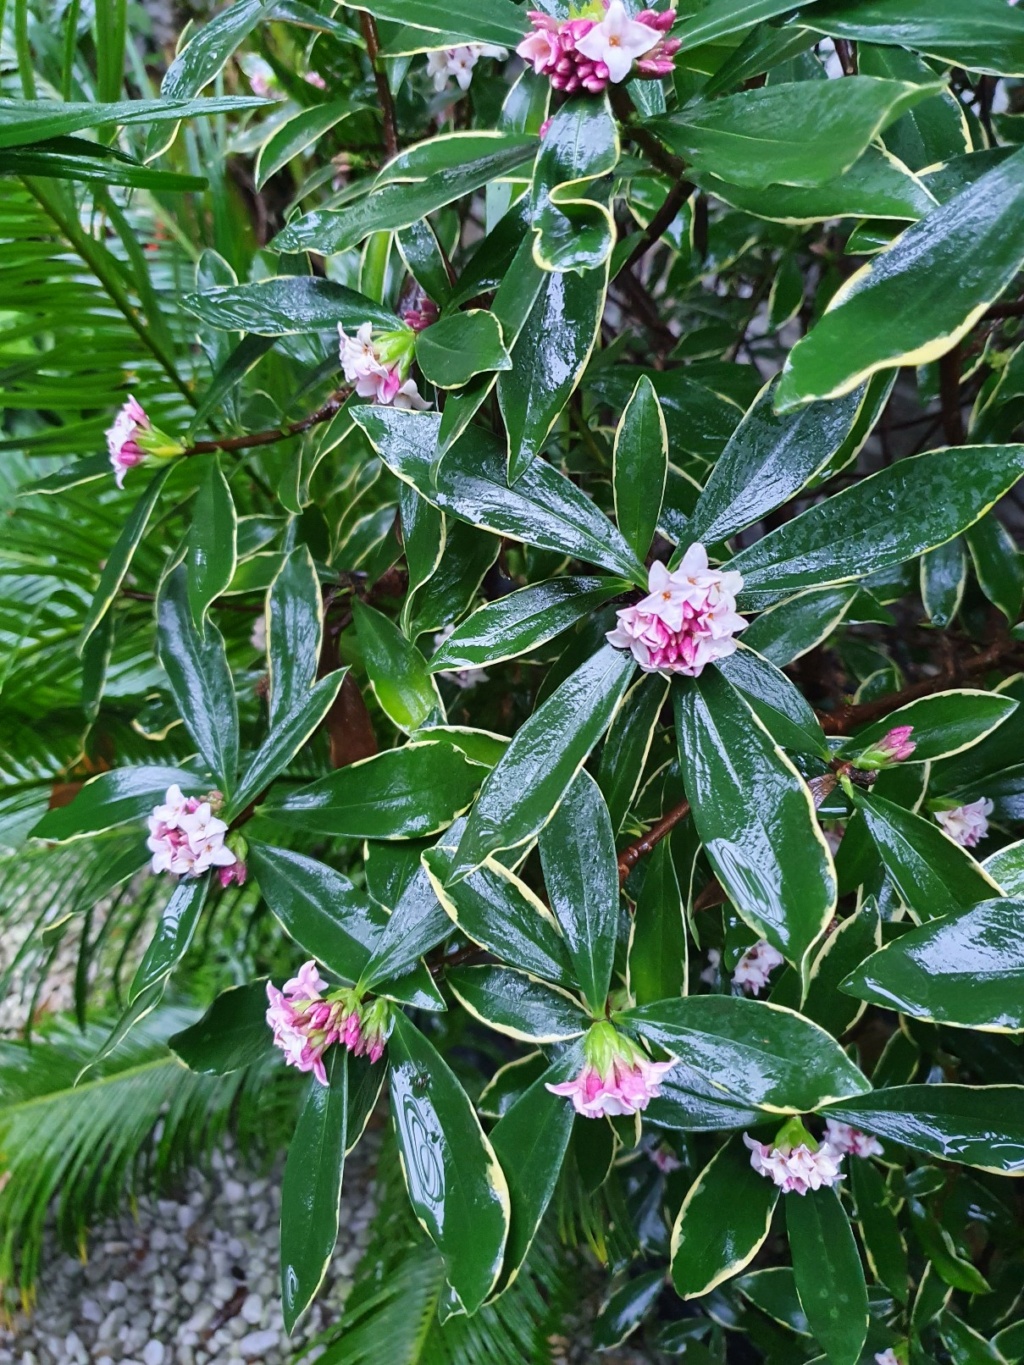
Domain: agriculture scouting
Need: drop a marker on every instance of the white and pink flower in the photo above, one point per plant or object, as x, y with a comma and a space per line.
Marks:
186, 838
967, 825
370, 369
458, 62
756, 966
601, 47
133, 440
849, 1141
306, 1023
887, 1357
687, 621
617, 1078
795, 1167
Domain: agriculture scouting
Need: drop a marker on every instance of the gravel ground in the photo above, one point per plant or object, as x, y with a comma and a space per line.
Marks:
192, 1280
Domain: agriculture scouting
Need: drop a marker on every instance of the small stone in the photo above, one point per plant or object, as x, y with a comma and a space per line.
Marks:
153, 1353
186, 1217
257, 1343
252, 1309
191, 1291
234, 1191
116, 1292
90, 1311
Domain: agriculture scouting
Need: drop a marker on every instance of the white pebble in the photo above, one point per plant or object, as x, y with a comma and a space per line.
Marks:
191, 1291
234, 1191
256, 1343
252, 1309
153, 1353
116, 1292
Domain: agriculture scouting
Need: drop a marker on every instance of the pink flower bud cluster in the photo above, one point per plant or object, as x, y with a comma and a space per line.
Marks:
617, 1078
306, 1023
967, 825
850, 1141
795, 1169
187, 839
895, 746
363, 367
421, 315
591, 53
123, 439
756, 966
687, 620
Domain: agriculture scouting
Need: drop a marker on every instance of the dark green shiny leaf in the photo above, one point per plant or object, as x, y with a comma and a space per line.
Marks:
398, 672
776, 700
460, 346
212, 543
232, 1034
517, 1004
944, 724
829, 1274
640, 467
658, 945
288, 305
173, 934
294, 628
115, 798
26, 121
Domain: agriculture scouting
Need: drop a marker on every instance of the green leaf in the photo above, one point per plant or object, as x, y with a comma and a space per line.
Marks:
170, 942
415, 184
27, 121
530, 1141
522, 621
997, 562
573, 230
295, 622
200, 679
292, 137
311, 1188
799, 133
76, 159
798, 624
399, 676
212, 543
779, 704
722, 18
405, 793
288, 305
461, 345
843, 949
231, 1035
932, 874
577, 851
854, 533
723, 1223
523, 791
640, 467
497, 910
628, 745
985, 36
965, 969
773, 1291
459, 1192
544, 508
120, 557
755, 817
517, 1004
976, 1125
548, 360
500, 23
914, 303
829, 1273
759, 1054
944, 724
426, 262
879, 1229
657, 945
115, 798
769, 459
286, 739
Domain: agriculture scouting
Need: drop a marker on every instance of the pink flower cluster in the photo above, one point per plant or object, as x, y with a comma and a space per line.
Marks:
421, 314
591, 53
756, 966
306, 1024
687, 620
894, 747
795, 1169
617, 1078
187, 839
365, 368
123, 439
850, 1141
967, 825
459, 62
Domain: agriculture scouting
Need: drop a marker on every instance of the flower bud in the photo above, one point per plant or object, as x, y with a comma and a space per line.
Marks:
894, 747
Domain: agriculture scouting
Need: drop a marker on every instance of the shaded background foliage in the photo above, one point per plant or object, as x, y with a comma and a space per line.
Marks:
114, 280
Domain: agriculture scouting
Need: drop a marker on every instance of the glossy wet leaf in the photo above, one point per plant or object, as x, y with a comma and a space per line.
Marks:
173, 934
943, 725
932, 874
965, 969
213, 543
723, 1223
298, 133
785, 713
628, 744
853, 533
523, 791
626, 1309
460, 346
404, 793
294, 614
543, 509
311, 1188
231, 1035
517, 1004
829, 1273
457, 1188
976, 1125
398, 672
200, 679
287, 306
500, 22
798, 133
879, 1227
577, 851
756, 1053
27, 121
914, 302
115, 798
574, 230
997, 563
640, 467
754, 815
658, 944
796, 625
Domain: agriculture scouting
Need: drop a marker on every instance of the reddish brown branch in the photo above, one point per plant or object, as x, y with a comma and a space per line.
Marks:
949, 386
387, 104
662, 220
265, 438
629, 857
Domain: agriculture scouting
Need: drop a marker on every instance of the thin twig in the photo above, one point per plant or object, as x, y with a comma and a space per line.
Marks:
655, 149
662, 220
629, 857
329, 409
387, 104
949, 385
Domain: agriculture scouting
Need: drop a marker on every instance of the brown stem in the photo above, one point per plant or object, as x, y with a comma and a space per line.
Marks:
330, 409
847, 54
662, 220
387, 104
949, 385
1013, 308
629, 857
657, 153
